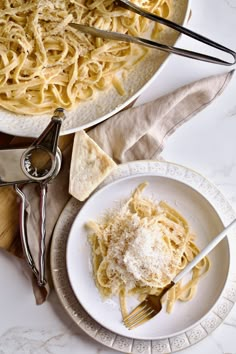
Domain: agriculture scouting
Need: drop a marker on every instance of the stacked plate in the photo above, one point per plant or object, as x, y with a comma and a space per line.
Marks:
207, 212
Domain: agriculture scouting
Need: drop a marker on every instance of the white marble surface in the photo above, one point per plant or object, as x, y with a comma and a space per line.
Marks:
207, 144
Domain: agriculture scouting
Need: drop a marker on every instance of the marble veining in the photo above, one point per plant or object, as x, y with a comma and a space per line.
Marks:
231, 3
230, 322
26, 340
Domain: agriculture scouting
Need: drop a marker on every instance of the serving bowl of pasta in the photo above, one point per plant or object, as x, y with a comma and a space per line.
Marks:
133, 235
46, 64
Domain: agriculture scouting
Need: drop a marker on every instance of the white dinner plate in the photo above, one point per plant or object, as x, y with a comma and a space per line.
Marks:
204, 221
108, 102
207, 212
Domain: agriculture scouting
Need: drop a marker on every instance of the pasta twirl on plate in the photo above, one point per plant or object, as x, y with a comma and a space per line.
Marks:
44, 63
140, 248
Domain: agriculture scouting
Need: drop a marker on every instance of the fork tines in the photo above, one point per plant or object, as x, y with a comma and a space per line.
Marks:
139, 315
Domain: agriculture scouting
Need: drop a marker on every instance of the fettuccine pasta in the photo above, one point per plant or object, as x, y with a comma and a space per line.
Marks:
45, 64
140, 248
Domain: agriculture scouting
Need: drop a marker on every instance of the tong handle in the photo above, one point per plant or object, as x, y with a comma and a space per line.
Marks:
190, 54
147, 43
40, 275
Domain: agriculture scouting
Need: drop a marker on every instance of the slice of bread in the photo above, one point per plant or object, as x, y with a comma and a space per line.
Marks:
90, 165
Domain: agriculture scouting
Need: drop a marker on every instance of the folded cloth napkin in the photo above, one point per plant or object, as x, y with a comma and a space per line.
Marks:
134, 134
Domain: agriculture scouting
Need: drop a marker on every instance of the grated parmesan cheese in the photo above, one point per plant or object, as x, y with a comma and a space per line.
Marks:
146, 257
137, 252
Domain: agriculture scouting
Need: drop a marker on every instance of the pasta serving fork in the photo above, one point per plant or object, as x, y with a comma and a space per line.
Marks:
152, 305
153, 44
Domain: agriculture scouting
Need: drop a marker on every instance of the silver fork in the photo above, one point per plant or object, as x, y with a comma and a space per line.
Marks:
152, 305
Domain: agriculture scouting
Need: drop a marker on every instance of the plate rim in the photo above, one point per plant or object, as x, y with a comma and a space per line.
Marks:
207, 323
46, 118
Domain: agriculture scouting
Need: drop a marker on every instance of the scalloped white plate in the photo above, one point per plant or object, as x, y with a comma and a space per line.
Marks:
106, 103
207, 211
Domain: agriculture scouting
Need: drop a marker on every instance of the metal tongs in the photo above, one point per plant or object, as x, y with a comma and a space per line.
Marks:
38, 163
148, 43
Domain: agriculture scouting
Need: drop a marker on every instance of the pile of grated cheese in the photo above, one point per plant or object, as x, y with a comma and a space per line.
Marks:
137, 253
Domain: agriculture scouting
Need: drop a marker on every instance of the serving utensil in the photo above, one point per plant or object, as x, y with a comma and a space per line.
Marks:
38, 163
153, 44
152, 305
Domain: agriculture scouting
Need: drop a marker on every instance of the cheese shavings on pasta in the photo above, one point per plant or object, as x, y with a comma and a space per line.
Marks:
140, 248
45, 64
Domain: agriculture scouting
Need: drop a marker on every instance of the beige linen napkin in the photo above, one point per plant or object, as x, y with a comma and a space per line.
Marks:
134, 134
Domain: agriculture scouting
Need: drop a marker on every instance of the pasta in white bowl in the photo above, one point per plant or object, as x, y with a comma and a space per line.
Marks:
44, 63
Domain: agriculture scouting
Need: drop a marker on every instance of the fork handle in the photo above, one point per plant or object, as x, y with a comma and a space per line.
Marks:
204, 252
